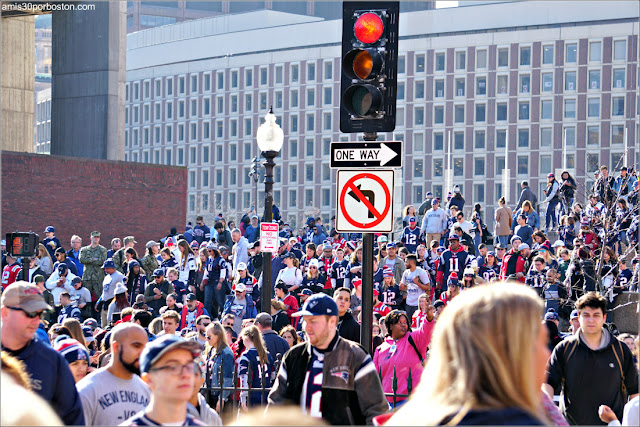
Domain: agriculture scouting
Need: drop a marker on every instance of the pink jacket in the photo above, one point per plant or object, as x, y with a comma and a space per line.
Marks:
403, 359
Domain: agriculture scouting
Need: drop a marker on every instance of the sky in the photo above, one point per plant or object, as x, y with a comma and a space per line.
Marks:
443, 4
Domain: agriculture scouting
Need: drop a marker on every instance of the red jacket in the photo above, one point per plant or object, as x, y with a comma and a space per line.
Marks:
292, 307
10, 274
519, 264
185, 311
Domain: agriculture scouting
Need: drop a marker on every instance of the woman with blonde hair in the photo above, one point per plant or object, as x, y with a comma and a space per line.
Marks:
255, 366
476, 376
46, 264
279, 317
219, 362
75, 327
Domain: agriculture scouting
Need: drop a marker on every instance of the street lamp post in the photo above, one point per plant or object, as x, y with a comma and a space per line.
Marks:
270, 138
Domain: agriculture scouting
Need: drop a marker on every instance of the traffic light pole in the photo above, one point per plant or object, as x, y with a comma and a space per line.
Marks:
366, 328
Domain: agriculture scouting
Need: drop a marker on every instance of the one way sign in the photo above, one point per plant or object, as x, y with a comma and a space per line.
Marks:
366, 154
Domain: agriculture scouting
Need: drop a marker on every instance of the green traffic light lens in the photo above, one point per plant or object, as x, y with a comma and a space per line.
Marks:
361, 101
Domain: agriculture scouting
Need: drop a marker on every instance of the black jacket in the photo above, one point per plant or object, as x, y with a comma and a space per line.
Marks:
590, 378
351, 389
279, 321
348, 327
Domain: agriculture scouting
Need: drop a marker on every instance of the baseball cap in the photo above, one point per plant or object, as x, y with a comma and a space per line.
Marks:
240, 287
327, 247
50, 229
95, 234
391, 245
314, 263
551, 175
157, 348
92, 323
500, 246
212, 246
87, 331
293, 239
523, 246
305, 291
108, 264
241, 266
151, 243
158, 272
454, 237
382, 239
376, 293
25, 296
289, 255
318, 305
75, 281
412, 219
435, 201
429, 194
59, 251
133, 263
456, 189
574, 314
558, 244
62, 268
192, 297
129, 239
516, 237
439, 249
254, 217
438, 303
194, 244
491, 253
469, 272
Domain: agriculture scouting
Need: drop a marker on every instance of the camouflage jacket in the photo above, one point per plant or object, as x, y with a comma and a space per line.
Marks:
92, 259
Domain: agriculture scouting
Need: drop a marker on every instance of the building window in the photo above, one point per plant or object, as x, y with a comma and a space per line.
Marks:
546, 137
327, 95
570, 136
503, 57
547, 54
264, 76
523, 110
595, 51
440, 61
458, 166
547, 82
478, 166
438, 167
418, 142
438, 141
458, 140
618, 78
546, 107
328, 71
501, 138
593, 162
594, 79
523, 165
478, 193
439, 89
525, 83
499, 166
479, 139
418, 168
545, 164
460, 60
417, 194
570, 81
180, 157
501, 111
420, 63
310, 122
419, 116
572, 53
480, 112
295, 74
525, 56
481, 59
458, 113
481, 85
400, 91
460, 87
419, 89
311, 71
293, 95
619, 51
503, 85
523, 138
593, 107
326, 197
194, 83
593, 135
248, 101
569, 108
234, 79
617, 135
401, 65
279, 74
248, 77
311, 97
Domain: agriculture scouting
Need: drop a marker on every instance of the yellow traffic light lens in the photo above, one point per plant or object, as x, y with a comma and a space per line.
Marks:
363, 64
368, 28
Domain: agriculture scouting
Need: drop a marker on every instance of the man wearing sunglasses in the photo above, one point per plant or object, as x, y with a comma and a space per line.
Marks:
168, 367
23, 306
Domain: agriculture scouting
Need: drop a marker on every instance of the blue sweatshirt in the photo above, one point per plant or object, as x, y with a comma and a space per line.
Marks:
52, 380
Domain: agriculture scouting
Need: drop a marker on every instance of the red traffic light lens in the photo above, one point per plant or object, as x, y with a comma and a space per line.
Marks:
368, 28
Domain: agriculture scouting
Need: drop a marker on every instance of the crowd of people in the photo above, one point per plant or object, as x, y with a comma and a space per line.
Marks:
477, 324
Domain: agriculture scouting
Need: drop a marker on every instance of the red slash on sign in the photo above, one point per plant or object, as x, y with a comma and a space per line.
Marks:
368, 200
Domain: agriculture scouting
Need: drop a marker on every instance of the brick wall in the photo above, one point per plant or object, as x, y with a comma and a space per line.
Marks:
78, 196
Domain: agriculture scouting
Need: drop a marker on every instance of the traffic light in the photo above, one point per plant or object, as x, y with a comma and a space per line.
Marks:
21, 244
369, 66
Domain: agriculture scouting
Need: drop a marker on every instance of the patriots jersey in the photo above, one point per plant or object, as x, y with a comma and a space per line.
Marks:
411, 239
312, 387
339, 243
535, 278
450, 262
390, 296
624, 277
339, 271
377, 279
490, 274
381, 308
325, 269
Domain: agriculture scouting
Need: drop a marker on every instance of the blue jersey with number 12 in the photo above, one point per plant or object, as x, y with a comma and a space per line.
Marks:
411, 239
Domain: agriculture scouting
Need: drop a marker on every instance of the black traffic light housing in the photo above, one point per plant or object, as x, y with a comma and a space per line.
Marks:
369, 66
22, 244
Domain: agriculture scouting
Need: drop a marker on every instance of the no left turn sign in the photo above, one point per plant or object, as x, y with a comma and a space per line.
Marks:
365, 201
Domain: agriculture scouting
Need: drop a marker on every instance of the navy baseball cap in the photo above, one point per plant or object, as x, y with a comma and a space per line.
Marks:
50, 229
289, 255
158, 272
574, 314
516, 237
157, 348
491, 253
306, 292
108, 264
551, 315
412, 219
318, 305
391, 245
454, 237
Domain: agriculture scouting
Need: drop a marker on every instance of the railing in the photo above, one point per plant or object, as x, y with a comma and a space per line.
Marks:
210, 392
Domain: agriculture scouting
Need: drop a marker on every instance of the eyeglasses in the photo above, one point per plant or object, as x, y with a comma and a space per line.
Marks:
29, 314
315, 268
205, 324
176, 369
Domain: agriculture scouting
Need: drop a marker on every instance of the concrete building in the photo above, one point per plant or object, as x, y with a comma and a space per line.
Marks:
551, 84
43, 50
148, 14
42, 131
